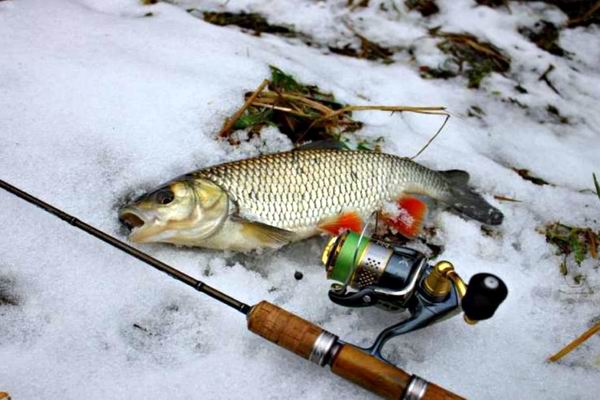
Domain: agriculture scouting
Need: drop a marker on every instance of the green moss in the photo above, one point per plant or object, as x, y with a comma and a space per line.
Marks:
579, 279
295, 109
283, 81
254, 117
477, 72
363, 144
473, 58
579, 242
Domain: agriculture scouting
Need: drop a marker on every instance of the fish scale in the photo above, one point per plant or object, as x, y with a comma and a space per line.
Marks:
297, 190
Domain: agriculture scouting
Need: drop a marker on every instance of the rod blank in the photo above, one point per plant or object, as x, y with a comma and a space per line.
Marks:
140, 255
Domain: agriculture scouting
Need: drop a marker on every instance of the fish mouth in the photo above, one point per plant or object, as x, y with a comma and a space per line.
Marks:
131, 220
135, 223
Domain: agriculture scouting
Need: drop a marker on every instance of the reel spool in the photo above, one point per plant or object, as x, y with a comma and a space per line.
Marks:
396, 278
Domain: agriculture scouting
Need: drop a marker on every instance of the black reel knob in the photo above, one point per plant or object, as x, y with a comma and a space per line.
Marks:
484, 294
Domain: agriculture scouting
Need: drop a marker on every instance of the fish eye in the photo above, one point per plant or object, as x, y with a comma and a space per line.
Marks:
164, 196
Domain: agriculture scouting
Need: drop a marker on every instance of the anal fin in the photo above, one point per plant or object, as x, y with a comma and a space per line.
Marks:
340, 223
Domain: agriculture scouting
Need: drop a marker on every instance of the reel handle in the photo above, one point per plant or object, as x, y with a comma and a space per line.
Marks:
484, 294
311, 342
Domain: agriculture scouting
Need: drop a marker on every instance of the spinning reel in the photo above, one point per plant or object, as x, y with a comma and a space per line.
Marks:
396, 278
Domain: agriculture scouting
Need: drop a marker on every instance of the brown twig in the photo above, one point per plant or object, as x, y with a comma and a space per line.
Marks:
474, 43
592, 243
575, 343
504, 198
366, 45
593, 10
421, 110
544, 77
231, 121
432, 138
280, 108
312, 103
418, 109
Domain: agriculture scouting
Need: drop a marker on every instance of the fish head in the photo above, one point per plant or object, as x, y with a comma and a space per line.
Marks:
180, 212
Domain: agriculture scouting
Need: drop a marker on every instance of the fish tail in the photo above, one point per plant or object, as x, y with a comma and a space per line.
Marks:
465, 201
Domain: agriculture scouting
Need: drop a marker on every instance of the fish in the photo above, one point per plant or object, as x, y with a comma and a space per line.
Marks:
271, 200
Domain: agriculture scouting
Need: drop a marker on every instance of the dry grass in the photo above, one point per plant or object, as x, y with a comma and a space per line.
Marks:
304, 112
576, 343
472, 58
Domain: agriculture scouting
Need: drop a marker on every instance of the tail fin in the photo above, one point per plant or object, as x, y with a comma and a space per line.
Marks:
465, 201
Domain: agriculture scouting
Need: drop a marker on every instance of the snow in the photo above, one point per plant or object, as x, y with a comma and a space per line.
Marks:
98, 103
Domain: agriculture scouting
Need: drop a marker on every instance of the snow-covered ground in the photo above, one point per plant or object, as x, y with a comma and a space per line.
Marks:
97, 101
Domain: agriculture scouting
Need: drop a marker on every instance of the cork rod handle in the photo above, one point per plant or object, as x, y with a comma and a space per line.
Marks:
283, 328
299, 336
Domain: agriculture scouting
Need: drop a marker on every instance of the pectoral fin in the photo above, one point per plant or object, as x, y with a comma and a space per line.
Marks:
267, 235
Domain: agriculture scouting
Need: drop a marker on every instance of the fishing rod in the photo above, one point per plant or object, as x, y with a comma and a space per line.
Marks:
284, 328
